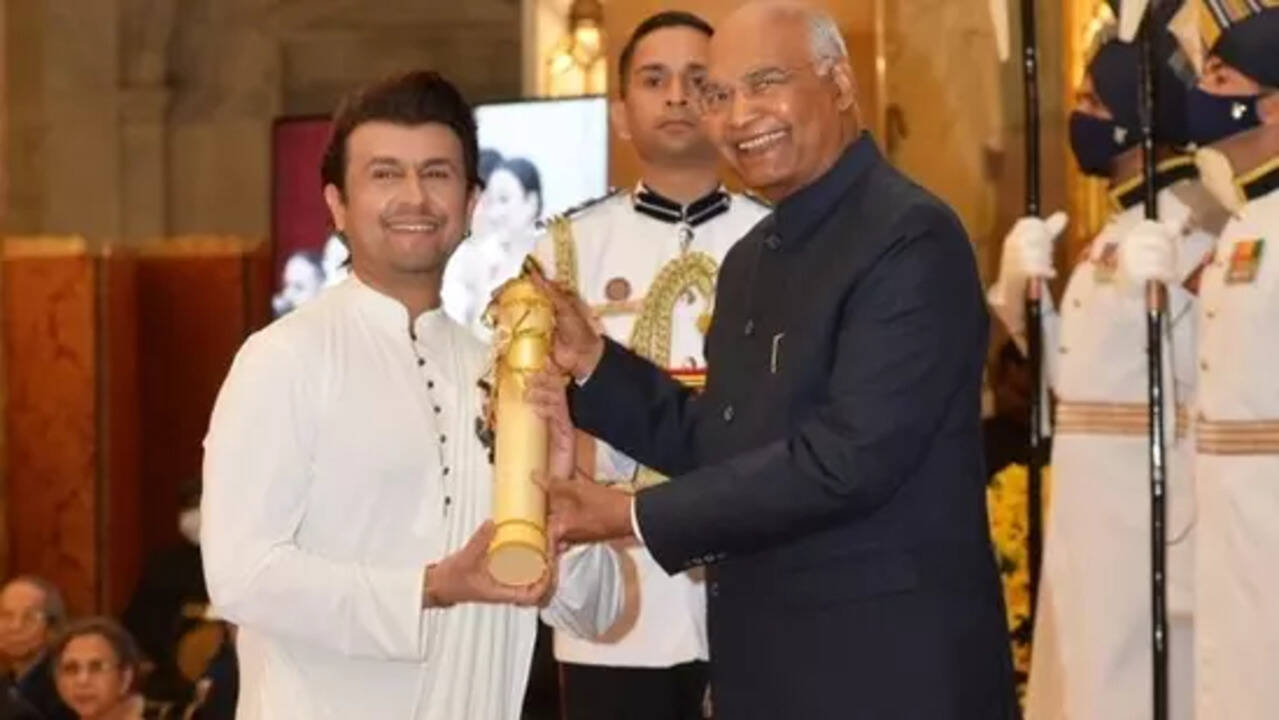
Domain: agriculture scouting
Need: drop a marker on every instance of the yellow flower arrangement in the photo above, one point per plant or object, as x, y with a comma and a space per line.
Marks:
1006, 503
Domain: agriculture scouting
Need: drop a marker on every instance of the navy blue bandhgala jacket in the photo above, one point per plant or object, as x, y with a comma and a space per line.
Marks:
830, 476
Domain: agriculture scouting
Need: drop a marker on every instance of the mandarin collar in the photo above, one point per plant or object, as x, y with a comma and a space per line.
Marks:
800, 213
658, 206
391, 314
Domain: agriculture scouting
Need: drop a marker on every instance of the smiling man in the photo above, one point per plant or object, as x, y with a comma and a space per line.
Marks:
830, 476
644, 259
345, 485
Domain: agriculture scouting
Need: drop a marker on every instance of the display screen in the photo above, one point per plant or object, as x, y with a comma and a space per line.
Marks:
537, 158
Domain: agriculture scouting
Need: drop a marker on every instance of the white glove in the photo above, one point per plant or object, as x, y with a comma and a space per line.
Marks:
1027, 253
1028, 247
1149, 252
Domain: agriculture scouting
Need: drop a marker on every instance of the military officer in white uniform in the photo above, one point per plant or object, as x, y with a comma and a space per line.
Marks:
646, 262
1234, 115
1091, 653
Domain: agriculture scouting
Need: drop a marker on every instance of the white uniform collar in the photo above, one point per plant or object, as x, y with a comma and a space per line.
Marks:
654, 204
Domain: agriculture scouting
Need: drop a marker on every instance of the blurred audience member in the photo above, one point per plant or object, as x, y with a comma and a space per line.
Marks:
12, 705
167, 611
96, 665
218, 688
31, 614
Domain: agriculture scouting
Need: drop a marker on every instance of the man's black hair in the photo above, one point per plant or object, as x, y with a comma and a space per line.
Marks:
667, 19
415, 98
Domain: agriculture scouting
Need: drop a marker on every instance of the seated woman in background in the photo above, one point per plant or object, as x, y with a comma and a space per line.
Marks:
96, 666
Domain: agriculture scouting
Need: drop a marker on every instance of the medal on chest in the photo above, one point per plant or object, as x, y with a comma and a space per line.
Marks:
685, 237
1245, 259
1106, 265
618, 289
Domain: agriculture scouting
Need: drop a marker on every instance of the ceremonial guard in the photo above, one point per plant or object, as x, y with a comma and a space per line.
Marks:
1234, 117
646, 262
1091, 654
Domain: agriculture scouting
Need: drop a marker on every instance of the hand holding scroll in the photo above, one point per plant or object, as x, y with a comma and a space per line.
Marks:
523, 323
546, 395
578, 344
464, 577
580, 509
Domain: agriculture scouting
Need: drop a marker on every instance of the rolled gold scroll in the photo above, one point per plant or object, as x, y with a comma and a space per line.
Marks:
524, 321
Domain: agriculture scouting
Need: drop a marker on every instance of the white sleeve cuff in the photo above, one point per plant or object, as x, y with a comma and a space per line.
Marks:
590, 593
635, 528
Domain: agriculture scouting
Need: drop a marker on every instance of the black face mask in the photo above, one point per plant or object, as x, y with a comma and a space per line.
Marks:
1214, 117
1096, 141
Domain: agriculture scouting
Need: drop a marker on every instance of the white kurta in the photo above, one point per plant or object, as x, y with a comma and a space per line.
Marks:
620, 252
341, 459
1091, 655
1237, 471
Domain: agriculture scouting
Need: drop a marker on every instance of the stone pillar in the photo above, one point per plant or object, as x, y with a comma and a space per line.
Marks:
146, 30
63, 160
219, 133
24, 172
81, 148
946, 115
144, 177
542, 24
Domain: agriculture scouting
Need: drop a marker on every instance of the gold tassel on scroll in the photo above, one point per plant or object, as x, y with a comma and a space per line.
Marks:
523, 322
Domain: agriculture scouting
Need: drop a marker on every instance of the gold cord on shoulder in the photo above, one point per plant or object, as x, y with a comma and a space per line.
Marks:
651, 336
561, 231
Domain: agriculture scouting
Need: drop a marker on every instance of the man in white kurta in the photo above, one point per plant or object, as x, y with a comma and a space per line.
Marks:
345, 471
326, 496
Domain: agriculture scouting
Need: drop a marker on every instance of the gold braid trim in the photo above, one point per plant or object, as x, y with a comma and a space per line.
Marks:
651, 336
1255, 174
561, 230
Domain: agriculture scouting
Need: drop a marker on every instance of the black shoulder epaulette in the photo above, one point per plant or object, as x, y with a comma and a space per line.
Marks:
579, 208
1129, 192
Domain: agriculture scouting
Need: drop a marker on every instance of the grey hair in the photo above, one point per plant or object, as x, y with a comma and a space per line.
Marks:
824, 38
55, 610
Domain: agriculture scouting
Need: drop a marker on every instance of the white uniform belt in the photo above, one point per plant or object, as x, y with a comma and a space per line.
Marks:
1127, 419
1237, 437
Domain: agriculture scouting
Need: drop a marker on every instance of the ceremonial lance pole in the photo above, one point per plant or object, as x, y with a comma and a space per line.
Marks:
1034, 309
1141, 14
